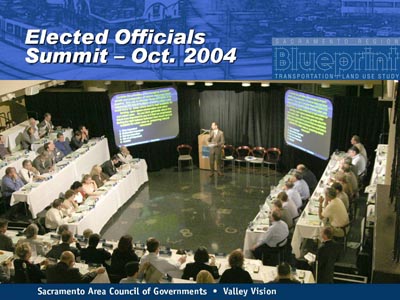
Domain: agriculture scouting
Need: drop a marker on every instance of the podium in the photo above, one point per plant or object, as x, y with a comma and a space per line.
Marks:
204, 151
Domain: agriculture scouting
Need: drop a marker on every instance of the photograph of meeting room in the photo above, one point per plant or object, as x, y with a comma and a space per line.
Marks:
60, 149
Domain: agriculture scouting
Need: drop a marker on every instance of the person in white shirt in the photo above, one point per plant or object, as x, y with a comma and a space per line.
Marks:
33, 123
333, 211
293, 194
124, 155
161, 264
355, 141
46, 126
54, 216
358, 160
288, 204
301, 186
29, 173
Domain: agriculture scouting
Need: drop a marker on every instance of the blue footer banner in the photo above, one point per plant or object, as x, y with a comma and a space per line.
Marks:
197, 291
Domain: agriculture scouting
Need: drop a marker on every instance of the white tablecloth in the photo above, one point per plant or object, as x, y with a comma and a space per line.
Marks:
40, 195
10, 135
109, 203
308, 226
15, 160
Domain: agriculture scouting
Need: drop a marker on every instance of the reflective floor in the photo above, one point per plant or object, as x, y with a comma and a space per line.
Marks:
189, 209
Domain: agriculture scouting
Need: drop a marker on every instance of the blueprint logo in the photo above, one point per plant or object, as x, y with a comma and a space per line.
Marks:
336, 58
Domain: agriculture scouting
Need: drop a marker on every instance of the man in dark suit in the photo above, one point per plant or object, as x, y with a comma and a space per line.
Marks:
92, 254
327, 256
66, 239
216, 142
109, 167
46, 126
64, 271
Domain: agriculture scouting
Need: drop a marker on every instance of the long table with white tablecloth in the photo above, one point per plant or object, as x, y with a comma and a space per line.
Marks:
308, 224
39, 195
111, 197
15, 161
11, 135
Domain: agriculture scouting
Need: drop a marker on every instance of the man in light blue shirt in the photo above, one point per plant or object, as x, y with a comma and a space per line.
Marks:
275, 236
293, 194
301, 186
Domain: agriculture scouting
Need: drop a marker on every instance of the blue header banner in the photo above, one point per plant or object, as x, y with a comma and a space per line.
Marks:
194, 291
198, 39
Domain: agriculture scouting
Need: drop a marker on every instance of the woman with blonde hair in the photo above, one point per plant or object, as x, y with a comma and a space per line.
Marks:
89, 185
204, 277
98, 175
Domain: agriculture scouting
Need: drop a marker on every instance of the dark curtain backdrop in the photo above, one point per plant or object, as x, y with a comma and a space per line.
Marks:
93, 110
256, 118
253, 117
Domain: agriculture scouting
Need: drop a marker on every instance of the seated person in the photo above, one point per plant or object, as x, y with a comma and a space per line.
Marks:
85, 133
92, 254
76, 141
66, 240
87, 233
286, 216
236, 274
25, 271
89, 186
43, 163
10, 183
123, 254
69, 204
29, 173
54, 154
6, 242
5, 267
340, 194
132, 271
275, 236
79, 192
31, 233
204, 277
28, 138
301, 186
358, 160
161, 264
33, 124
3, 149
109, 167
62, 145
351, 178
347, 188
333, 210
46, 126
288, 204
55, 216
124, 155
356, 141
64, 271
201, 258
308, 176
284, 274
293, 194
98, 175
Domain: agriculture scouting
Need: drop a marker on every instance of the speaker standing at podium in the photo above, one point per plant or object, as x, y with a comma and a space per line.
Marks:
216, 141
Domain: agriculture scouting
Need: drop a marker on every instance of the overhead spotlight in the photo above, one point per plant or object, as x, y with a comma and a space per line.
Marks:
265, 84
190, 83
139, 82
325, 85
207, 83
368, 86
246, 84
